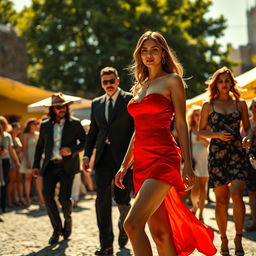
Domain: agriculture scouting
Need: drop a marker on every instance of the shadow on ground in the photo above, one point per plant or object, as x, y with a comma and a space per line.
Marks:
56, 249
124, 252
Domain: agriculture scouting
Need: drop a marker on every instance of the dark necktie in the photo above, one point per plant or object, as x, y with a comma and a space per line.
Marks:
110, 109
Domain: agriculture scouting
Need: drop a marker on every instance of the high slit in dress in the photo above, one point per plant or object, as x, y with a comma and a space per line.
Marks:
157, 156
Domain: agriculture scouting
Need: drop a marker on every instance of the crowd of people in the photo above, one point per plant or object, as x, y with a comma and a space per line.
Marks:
18, 187
132, 150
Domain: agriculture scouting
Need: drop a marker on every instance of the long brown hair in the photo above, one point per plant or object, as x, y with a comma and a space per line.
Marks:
190, 116
52, 114
140, 71
28, 124
212, 84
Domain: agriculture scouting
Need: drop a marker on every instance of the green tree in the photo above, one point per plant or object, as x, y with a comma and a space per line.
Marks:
7, 12
69, 41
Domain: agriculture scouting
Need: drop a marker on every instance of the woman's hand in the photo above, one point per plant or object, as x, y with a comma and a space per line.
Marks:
28, 165
225, 136
35, 172
120, 177
17, 163
188, 178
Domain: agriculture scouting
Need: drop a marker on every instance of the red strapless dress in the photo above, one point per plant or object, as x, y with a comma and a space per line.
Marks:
157, 156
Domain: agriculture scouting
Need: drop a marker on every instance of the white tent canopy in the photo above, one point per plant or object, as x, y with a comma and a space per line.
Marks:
39, 106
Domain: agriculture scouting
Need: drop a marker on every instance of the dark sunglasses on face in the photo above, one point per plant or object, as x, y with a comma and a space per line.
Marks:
59, 107
111, 81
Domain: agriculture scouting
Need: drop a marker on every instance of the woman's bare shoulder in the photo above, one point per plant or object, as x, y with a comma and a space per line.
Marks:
207, 107
175, 82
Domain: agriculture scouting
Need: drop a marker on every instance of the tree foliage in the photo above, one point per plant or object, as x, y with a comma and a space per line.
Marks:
7, 12
69, 41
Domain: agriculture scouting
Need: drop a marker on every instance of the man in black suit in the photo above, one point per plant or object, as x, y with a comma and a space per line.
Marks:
61, 138
110, 133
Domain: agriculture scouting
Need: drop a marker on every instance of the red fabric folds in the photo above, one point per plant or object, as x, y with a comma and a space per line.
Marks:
157, 156
188, 233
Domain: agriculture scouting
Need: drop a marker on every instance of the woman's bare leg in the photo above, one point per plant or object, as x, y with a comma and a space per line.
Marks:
148, 200
194, 196
203, 181
237, 189
252, 201
28, 182
11, 188
160, 231
221, 213
39, 188
20, 188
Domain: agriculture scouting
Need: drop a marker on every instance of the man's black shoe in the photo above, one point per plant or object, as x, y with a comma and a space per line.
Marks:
67, 229
105, 251
54, 238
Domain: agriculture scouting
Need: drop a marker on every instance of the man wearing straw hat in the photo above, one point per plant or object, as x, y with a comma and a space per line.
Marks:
61, 138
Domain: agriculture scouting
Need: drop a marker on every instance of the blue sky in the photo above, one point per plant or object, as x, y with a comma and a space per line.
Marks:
233, 10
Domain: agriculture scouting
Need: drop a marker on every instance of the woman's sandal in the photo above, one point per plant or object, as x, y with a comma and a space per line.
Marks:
224, 252
241, 251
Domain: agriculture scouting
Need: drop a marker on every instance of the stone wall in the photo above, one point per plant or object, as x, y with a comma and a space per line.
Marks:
13, 56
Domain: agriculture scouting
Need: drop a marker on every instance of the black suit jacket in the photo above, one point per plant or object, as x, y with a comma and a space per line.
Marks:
73, 136
118, 131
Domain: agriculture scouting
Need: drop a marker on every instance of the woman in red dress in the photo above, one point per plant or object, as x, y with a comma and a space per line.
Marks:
158, 94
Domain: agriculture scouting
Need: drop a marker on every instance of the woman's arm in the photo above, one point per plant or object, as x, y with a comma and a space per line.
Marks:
14, 155
245, 118
127, 162
179, 102
203, 131
203, 140
25, 150
246, 124
178, 98
128, 158
206, 133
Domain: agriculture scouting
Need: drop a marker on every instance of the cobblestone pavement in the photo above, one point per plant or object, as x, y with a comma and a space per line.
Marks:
25, 231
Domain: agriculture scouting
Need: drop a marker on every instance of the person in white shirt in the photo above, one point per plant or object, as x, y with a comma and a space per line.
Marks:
61, 139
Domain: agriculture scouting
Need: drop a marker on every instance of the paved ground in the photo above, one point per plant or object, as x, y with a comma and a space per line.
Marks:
26, 231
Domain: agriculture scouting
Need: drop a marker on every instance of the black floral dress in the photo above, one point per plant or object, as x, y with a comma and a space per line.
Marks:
251, 185
227, 159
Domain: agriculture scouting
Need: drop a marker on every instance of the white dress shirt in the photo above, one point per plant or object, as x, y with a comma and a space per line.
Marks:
114, 97
57, 135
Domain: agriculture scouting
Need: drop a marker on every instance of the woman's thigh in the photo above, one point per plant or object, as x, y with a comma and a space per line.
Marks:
159, 223
148, 200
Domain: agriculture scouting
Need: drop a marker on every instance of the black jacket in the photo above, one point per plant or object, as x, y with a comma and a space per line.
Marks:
73, 136
118, 131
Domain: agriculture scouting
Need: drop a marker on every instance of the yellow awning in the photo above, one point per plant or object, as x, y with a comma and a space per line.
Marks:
15, 97
20, 92
28, 94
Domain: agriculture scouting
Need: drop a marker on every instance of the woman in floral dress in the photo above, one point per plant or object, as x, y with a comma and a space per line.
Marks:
251, 185
227, 158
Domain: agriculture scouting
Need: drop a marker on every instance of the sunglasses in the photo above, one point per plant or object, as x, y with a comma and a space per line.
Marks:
111, 81
59, 107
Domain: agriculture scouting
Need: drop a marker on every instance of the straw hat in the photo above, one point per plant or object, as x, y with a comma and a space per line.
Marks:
58, 99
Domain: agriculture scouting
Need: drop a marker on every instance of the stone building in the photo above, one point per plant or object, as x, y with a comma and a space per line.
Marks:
13, 55
246, 54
